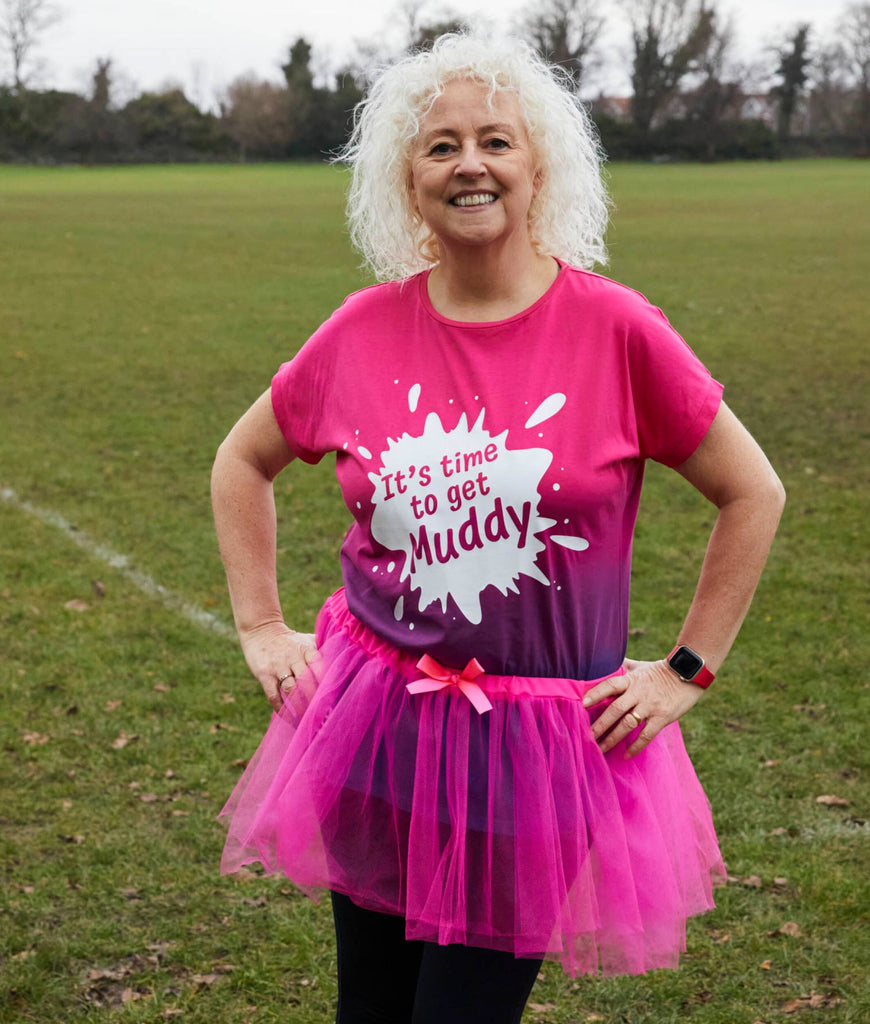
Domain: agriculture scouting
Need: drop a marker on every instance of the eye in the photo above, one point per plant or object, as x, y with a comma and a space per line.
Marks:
440, 149
498, 143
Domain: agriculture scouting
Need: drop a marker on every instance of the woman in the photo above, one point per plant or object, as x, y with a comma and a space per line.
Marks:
461, 755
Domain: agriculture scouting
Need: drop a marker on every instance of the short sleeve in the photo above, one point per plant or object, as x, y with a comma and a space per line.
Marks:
675, 396
300, 398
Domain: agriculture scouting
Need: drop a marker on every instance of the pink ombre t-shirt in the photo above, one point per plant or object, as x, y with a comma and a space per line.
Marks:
493, 470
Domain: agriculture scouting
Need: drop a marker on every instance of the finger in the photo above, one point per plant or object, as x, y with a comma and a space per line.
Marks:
310, 653
643, 739
631, 722
612, 715
273, 695
604, 690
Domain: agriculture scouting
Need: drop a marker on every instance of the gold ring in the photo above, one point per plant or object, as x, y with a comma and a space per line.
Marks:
634, 716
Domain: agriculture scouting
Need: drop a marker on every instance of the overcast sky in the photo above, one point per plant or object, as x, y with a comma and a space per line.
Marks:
205, 44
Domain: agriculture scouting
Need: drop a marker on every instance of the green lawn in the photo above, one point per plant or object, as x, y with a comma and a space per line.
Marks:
141, 311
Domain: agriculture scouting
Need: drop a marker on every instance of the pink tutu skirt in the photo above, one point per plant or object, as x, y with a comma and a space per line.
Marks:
507, 829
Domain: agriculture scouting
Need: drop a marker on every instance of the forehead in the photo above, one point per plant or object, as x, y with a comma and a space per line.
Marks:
466, 100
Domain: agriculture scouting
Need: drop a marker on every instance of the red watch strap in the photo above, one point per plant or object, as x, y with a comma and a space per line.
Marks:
704, 677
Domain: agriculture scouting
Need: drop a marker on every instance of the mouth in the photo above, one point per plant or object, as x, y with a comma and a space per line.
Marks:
474, 199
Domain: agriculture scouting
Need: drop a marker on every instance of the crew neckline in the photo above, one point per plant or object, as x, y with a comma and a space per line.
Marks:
423, 284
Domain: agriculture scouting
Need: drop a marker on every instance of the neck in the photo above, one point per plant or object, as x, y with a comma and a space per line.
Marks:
480, 284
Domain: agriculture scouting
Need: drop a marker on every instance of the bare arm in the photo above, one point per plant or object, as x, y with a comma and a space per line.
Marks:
731, 471
247, 462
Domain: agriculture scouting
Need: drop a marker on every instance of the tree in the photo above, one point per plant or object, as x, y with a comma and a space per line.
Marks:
300, 94
668, 38
257, 116
830, 99
421, 33
718, 93
564, 32
793, 70
22, 22
854, 31
102, 85
167, 126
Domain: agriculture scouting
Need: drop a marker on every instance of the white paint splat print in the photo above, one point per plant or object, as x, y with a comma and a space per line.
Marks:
460, 495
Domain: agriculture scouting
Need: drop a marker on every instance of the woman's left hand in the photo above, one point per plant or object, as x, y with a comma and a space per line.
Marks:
650, 692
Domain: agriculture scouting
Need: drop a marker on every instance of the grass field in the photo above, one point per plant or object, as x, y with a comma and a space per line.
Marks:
141, 311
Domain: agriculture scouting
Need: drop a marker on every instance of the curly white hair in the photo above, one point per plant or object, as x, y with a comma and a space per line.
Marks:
569, 215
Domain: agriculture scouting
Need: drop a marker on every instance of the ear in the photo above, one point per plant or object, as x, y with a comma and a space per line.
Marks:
537, 181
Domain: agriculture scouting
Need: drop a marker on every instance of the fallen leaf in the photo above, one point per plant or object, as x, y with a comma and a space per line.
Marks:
161, 688
123, 739
24, 954
780, 881
808, 707
168, 1014
813, 1001
205, 979
770, 764
227, 698
542, 1007
77, 840
790, 928
35, 739
595, 1016
719, 936
169, 774
113, 705
77, 605
765, 965
778, 832
148, 798
829, 800
751, 882
98, 588
260, 901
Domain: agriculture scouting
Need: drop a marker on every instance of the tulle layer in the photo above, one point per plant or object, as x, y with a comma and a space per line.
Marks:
507, 830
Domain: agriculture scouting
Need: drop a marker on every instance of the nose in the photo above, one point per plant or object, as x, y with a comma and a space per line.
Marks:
470, 164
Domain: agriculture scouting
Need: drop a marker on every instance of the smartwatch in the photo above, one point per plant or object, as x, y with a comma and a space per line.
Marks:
690, 666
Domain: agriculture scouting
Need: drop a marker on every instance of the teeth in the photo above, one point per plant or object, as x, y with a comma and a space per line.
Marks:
476, 200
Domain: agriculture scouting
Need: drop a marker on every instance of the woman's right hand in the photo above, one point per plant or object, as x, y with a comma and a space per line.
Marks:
277, 655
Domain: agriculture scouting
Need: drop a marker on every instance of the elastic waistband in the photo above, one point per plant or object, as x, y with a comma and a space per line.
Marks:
341, 618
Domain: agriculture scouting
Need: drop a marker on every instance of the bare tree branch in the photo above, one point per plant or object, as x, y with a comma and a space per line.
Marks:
22, 23
565, 32
669, 38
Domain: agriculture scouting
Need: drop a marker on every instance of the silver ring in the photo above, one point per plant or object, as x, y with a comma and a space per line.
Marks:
282, 678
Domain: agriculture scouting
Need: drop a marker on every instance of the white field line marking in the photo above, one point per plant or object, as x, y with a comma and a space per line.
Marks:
169, 599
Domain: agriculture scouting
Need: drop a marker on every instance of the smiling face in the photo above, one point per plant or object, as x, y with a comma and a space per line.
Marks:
473, 173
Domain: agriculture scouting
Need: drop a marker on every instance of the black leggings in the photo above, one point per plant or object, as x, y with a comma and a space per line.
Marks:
385, 979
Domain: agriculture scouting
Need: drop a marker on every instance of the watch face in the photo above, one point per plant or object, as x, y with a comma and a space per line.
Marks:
686, 663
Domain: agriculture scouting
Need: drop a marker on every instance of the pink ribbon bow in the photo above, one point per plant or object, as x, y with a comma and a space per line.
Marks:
439, 677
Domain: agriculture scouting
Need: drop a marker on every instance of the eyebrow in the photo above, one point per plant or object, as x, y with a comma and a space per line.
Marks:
497, 126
